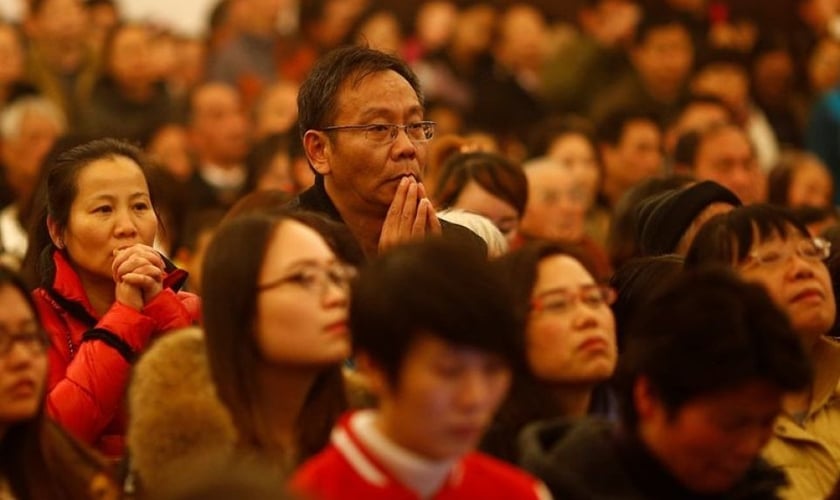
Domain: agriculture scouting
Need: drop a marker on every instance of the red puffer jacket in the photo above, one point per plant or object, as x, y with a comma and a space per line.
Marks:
90, 356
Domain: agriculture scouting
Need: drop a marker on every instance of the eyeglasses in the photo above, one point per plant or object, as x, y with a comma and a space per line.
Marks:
35, 342
812, 250
386, 133
562, 301
315, 279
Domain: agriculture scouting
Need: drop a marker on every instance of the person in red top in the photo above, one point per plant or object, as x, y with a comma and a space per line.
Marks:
435, 340
104, 292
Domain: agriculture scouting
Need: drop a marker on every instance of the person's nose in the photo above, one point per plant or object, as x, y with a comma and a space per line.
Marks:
475, 390
124, 225
403, 146
334, 294
20, 356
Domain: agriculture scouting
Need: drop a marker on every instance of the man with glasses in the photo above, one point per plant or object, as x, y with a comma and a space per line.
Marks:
769, 246
363, 130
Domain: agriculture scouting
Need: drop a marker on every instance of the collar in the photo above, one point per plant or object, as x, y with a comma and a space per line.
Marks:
223, 178
62, 282
316, 199
380, 461
826, 357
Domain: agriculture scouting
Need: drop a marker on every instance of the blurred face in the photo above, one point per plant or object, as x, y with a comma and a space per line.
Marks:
444, 399
170, 147
664, 60
727, 157
474, 28
11, 55
637, 156
799, 285
382, 32
570, 337
61, 22
824, 66
302, 302
476, 199
556, 205
576, 153
278, 111
361, 172
220, 128
696, 116
728, 82
524, 37
23, 370
710, 441
278, 175
773, 75
810, 185
435, 22
130, 60
22, 154
112, 210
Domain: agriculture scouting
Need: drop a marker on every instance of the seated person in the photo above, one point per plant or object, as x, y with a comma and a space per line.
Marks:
700, 383
435, 336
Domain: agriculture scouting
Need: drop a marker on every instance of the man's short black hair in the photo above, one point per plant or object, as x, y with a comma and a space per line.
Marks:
707, 332
612, 127
431, 288
655, 18
318, 96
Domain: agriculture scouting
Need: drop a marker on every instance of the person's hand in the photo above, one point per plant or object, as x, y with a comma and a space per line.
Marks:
411, 216
138, 273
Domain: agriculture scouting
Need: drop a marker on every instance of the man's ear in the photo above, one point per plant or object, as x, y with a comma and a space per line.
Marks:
317, 147
644, 398
376, 380
55, 233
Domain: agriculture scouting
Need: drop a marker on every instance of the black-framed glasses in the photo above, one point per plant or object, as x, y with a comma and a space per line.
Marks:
386, 133
561, 301
810, 249
36, 342
315, 279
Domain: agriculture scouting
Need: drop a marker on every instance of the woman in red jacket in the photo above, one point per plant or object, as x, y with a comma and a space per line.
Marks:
104, 292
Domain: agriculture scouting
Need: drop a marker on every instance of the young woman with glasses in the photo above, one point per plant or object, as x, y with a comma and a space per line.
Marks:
37, 459
275, 318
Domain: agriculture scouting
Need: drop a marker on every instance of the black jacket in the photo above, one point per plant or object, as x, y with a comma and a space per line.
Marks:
315, 199
593, 459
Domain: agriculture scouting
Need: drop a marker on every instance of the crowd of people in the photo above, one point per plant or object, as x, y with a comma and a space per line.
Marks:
321, 253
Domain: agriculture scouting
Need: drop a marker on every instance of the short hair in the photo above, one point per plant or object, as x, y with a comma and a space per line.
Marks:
658, 18
726, 239
318, 95
689, 144
12, 115
780, 178
493, 172
432, 288
555, 127
708, 332
636, 282
612, 127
